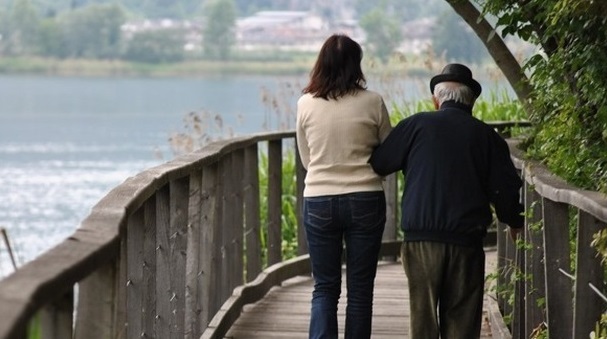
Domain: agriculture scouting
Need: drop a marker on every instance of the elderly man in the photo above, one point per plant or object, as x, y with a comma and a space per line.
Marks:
456, 168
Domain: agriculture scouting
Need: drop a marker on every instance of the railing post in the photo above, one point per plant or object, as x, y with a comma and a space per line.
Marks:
503, 264
193, 275
98, 297
518, 314
534, 262
227, 230
300, 174
56, 318
236, 210
392, 208
274, 202
252, 230
171, 244
135, 288
559, 309
586, 310
141, 283
210, 251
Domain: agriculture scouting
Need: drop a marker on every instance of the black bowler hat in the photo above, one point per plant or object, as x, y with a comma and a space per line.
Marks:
456, 73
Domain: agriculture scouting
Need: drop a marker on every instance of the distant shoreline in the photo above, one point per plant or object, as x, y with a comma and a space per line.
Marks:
119, 68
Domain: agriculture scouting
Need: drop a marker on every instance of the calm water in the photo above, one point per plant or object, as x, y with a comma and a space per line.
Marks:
65, 142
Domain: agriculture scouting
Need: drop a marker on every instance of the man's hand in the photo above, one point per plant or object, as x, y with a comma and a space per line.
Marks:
514, 232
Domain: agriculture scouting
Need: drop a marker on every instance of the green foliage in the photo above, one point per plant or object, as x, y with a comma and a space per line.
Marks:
218, 33
404, 10
33, 328
456, 40
86, 32
159, 46
20, 29
93, 31
599, 241
569, 87
383, 33
600, 330
51, 40
497, 106
289, 203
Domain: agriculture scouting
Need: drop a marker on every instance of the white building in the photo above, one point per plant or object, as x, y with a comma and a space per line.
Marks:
286, 30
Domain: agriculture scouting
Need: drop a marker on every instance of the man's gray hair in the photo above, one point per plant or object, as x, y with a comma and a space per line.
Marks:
454, 91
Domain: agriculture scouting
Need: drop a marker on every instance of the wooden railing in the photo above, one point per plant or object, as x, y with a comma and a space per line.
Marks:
551, 294
161, 254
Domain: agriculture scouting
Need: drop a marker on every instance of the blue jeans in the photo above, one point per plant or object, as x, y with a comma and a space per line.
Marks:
358, 219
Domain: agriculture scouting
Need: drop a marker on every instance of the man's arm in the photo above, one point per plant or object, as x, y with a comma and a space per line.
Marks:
390, 156
505, 187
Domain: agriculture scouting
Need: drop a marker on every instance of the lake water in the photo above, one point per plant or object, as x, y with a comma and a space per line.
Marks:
65, 142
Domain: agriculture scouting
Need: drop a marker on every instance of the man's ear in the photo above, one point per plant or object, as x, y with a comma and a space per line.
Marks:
435, 102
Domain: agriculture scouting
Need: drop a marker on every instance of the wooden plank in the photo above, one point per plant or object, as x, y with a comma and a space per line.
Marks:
179, 200
300, 172
274, 243
56, 318
252, 232
135, 288
587, 306
519, 269
518, 307
149, 269
501, 281
227, 229
510, 269
556, 189
96, 298
252, 292
193, 292
559, 298
236, 250
284, 311
120, 316
210, 211
534, 264
163, 264
392, 208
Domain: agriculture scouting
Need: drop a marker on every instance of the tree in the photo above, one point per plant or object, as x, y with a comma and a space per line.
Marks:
563, 86
218, 32
453, 38
383, 33
404, 10
93, 31
20, 31
52, 43
158, 46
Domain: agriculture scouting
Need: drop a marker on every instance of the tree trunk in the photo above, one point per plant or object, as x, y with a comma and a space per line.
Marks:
498, 50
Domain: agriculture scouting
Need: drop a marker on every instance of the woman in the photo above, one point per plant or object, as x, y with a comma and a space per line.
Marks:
339, 123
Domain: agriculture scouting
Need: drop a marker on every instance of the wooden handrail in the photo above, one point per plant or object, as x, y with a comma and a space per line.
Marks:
162, 252
545, 295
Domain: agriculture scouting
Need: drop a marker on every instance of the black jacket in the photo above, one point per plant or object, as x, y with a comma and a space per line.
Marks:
455, 168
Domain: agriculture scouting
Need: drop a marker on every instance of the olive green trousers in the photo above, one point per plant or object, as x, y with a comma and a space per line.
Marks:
446, 286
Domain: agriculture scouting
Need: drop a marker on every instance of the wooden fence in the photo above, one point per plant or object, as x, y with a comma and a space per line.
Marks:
551, 292
161, 254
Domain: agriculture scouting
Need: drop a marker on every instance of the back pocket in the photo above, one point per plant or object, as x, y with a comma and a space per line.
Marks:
368, 209
317, 212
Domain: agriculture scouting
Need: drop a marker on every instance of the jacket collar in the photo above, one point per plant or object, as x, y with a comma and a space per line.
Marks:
456, 105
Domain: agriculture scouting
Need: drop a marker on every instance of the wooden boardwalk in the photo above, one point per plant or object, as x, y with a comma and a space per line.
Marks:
285, 311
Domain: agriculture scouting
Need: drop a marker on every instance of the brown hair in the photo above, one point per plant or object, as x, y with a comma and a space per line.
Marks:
337, 70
